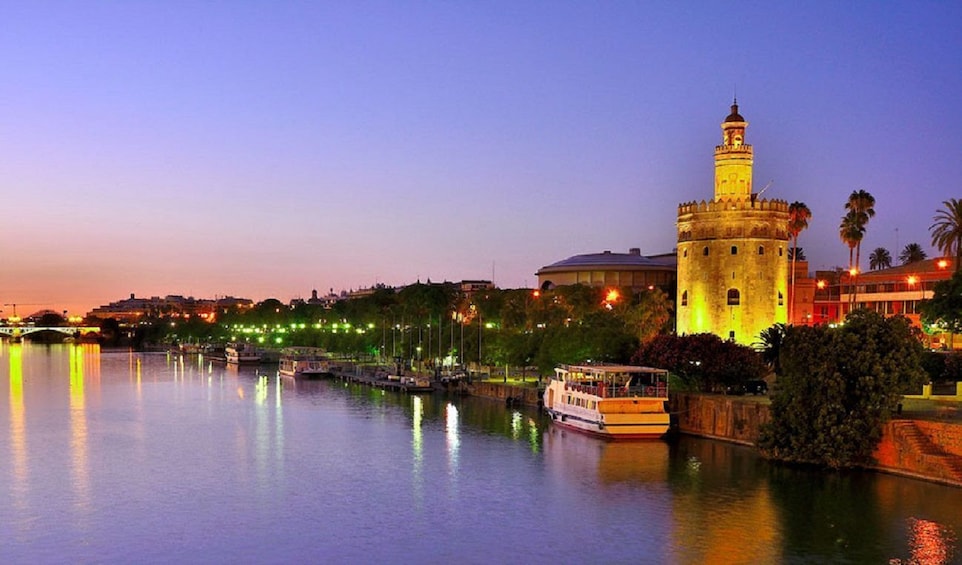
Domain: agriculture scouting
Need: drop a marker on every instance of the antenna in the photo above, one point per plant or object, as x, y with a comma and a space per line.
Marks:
766, 187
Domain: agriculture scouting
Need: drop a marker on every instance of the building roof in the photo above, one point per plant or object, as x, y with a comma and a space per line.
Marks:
631, 260
734, 116
935, 265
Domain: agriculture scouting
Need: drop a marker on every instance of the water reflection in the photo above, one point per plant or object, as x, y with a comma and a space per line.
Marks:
18, 436
80, 470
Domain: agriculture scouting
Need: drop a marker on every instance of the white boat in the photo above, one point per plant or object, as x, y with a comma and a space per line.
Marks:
241, 353
610, 401
304, 361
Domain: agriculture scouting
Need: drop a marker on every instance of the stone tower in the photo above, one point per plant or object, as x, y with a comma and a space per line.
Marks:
732, 250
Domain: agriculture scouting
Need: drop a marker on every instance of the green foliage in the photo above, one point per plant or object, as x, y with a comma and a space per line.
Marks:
770, 346
944, 310
702, 361
838, 387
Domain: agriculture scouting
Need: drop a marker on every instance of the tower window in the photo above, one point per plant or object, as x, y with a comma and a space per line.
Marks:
734, 250
781, 299
684, 298
761, 249
705, 251
779, 251
734, 297
685, 253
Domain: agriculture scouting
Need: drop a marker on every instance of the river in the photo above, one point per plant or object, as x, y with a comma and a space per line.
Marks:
123, 457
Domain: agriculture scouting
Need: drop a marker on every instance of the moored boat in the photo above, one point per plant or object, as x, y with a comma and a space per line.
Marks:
609, 401
241, 353
304, 362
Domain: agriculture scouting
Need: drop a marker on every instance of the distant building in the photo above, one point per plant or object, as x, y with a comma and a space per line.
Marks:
132, 310
732, 250
630, 269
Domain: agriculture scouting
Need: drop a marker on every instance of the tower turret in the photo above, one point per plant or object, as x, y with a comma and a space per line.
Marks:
733, 159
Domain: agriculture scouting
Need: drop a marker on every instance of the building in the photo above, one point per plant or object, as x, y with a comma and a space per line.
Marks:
732, 250
132, 310
630, 269
892, 291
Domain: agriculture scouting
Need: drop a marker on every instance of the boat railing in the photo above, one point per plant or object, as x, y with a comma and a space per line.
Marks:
604, 390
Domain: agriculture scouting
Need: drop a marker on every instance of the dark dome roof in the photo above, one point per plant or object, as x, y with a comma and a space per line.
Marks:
734, 116
616, 260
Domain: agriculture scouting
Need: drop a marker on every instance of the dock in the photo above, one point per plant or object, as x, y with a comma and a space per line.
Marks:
370, 376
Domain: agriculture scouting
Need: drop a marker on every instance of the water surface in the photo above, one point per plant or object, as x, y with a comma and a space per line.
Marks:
109, 457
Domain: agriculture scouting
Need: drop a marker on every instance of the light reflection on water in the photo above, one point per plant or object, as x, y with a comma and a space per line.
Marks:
125, 457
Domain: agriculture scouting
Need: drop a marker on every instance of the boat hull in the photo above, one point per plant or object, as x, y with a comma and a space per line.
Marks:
654, 429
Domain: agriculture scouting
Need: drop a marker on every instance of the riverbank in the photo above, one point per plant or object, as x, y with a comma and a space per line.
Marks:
923, 442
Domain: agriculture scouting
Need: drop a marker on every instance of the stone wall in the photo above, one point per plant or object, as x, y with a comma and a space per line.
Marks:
924, 449
722, 417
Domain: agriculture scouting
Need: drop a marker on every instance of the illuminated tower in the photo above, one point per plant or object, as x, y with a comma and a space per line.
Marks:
732, 250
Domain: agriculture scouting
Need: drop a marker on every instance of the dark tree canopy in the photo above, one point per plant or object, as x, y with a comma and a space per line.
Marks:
702, 361
838, 387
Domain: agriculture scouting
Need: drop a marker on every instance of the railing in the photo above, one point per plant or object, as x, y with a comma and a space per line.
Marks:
655, 390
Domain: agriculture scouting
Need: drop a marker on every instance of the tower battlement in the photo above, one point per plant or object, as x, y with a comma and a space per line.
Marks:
728, 204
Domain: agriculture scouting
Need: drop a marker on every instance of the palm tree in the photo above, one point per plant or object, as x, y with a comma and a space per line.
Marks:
797, 253
851, 233
880, 259
798, 216
947, 230
863, 205
913, 253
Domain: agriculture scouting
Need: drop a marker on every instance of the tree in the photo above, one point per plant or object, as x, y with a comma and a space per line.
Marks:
838, 387
797, 253
947, 230
798, 216
862, 204
880, 258
913, 253
851, 233
944, 309
770, 346
702, 361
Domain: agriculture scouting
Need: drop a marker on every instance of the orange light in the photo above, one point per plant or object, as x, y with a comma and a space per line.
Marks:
912, 280
820, 285
853, 271
942, 264
536, 293
612, 296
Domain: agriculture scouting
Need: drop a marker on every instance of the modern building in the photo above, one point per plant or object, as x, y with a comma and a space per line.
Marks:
732, 250
896, 290
630, 269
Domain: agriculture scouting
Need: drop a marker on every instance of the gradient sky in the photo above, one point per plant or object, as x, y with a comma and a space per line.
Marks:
264, 149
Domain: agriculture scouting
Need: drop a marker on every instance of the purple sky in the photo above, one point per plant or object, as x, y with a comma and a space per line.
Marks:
264, 149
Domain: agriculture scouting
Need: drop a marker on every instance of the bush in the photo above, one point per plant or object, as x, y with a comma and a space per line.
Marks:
838, 387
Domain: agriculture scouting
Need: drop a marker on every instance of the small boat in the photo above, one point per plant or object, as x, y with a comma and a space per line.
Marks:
609, 401
241, 353
304, 362
416, 384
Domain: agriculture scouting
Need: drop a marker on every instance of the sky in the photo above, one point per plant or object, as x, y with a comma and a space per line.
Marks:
266, 149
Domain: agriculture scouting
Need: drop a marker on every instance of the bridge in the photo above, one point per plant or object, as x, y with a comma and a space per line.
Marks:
17, 332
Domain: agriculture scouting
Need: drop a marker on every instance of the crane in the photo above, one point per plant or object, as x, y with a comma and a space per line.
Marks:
15, 318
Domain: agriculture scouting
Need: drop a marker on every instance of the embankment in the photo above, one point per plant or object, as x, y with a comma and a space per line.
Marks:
930, 450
